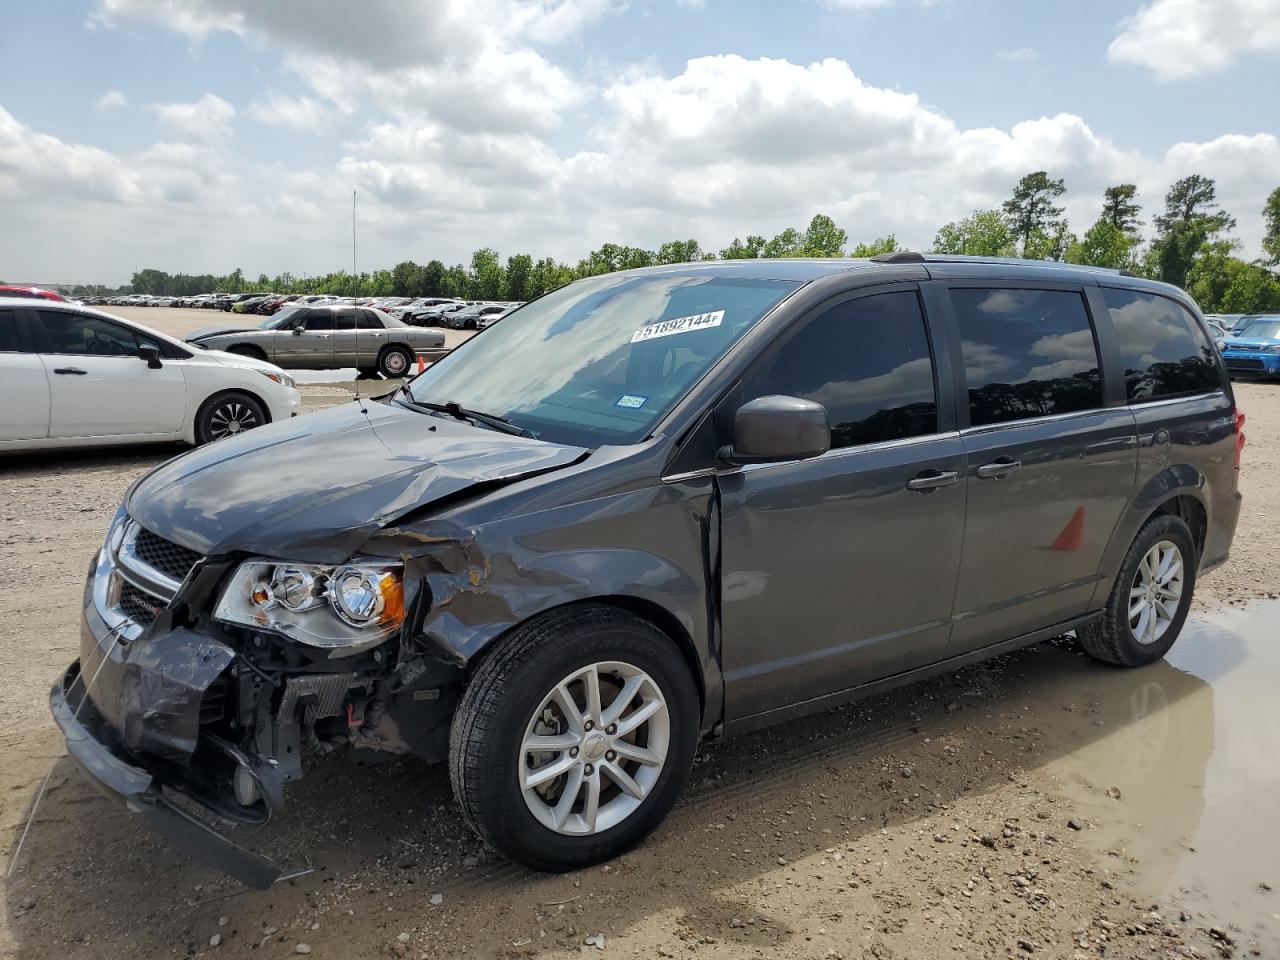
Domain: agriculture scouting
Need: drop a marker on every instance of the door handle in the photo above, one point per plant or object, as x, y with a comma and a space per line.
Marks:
73, 371
932, 480
999, 469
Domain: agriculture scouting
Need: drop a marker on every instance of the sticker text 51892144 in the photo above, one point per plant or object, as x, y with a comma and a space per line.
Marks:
667, 328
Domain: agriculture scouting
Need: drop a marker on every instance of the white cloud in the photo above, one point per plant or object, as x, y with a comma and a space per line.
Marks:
298, 113
208, 118
111, 100
1176, 39
1021, 54
856, 4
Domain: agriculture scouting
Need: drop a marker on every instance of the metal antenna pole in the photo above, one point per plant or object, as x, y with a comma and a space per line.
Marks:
353, 233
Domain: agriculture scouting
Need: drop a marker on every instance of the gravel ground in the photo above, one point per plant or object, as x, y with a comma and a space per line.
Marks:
920, 823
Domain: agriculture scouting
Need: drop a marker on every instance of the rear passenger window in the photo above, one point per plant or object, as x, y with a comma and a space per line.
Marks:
1027, 353
1165, 353
868, 362
9, 342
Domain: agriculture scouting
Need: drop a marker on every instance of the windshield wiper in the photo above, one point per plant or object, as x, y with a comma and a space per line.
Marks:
458, 411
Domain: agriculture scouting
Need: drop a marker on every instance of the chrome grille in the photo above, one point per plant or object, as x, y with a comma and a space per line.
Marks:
138, 605
169, 558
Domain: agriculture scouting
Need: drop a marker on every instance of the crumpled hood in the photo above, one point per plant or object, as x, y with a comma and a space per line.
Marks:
223, 328
316, 487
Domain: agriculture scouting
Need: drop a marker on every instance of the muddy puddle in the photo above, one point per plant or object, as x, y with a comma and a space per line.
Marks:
1173, 771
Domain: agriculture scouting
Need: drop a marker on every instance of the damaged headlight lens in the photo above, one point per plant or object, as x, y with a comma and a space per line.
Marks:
347, 605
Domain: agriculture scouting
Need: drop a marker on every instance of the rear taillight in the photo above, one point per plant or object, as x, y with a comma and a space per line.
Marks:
1239, 432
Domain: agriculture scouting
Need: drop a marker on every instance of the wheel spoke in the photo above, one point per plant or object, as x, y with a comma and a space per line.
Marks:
569, 708
632, 721
1152, 619
540, 775
1140, 631
591, 682
624, 780
591, 809
643, 755
1174, 570
623, 699
560, 813
558, 743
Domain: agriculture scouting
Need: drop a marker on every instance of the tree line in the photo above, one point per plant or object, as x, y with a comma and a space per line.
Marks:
1190, 246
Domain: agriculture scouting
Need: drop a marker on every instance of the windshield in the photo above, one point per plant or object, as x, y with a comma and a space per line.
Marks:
599, 361
282, 318
1262, 330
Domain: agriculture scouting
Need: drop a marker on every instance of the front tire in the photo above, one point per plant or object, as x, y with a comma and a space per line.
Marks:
574, 738
244, 350
226, 415
1150, 598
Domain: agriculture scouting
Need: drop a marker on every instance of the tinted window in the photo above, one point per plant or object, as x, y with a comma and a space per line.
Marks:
78, 333
1027, 353
320, 320
1164, 352
368, 320
9, 342
867, 361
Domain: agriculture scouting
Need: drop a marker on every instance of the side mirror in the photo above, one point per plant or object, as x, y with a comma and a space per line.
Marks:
297, 331
774, 428
150, 353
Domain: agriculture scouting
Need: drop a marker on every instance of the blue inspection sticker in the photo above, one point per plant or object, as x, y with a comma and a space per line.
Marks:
630, 401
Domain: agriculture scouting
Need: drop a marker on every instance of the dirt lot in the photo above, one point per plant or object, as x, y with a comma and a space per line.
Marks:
1036, 805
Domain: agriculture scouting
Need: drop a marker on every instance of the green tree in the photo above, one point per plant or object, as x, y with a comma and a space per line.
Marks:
876, 247
1223, 283
519, 267
1120, 209
823, 238
1191, 220
788, 243
486, 275
679, 251
737, 250
985, 233
1104, 245
1049, 244
432, 282
1030, 210
1271, 227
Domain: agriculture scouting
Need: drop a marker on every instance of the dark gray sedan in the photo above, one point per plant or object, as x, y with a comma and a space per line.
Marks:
328, 337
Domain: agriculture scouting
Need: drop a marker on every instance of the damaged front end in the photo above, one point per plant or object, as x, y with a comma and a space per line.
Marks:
204, 682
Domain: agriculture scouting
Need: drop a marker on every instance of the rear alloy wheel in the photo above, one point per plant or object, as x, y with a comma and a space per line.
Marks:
394, 362
1150, 598
228, 415
574, 737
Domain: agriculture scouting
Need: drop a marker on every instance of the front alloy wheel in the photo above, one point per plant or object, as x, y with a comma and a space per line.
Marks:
574, 737
228, 415
594, 748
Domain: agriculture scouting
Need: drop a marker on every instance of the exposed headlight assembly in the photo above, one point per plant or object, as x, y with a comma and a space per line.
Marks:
335, 607
278, 376
1271, 348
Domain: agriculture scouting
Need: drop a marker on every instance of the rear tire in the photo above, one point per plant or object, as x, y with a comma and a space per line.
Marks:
1150, 598
394, 363
228, 414
516, 698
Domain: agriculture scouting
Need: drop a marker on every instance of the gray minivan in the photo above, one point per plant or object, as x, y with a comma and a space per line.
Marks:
650, 508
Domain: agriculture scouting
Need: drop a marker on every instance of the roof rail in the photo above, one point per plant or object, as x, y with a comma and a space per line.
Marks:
899, 256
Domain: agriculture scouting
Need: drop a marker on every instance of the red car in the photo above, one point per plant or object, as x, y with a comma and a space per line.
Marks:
13, 290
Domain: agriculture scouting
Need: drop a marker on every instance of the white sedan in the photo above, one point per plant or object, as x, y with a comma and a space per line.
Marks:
73, 376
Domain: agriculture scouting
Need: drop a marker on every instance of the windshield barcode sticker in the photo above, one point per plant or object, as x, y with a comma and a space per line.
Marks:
667, 328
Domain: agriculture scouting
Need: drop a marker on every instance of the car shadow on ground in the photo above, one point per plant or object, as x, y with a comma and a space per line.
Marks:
381, 840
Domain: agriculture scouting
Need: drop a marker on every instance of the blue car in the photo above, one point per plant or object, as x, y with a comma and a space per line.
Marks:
1255, 350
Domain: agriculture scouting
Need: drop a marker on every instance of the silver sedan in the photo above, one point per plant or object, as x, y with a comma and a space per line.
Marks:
328, 337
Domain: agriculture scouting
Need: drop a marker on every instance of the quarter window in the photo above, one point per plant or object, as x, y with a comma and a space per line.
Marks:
1164, 352
868, 362
1027, 353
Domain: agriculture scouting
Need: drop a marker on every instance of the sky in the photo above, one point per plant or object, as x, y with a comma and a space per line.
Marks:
203, 135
